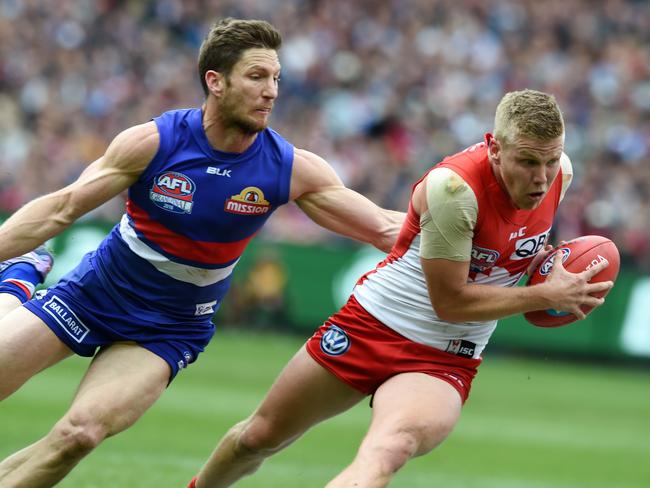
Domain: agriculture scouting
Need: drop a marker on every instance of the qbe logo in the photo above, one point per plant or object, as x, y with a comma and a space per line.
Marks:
529, 246
335, 341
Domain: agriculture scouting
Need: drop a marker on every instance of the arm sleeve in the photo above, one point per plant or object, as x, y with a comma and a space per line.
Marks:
447, 227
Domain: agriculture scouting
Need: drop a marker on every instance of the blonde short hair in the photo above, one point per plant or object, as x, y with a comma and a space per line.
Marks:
527, 113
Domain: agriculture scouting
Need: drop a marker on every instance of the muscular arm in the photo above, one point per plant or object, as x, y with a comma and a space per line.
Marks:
445, 262
39, 220
319, 192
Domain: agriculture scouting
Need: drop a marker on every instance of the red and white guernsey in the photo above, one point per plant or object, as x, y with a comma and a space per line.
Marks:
505, 240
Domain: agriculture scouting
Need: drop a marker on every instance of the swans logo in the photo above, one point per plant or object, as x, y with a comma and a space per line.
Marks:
335, 341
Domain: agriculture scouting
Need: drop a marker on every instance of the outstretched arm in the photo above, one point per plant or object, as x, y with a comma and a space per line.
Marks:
39, 220
320, 193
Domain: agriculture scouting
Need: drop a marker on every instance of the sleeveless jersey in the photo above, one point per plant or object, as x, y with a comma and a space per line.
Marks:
505, 241
188, 219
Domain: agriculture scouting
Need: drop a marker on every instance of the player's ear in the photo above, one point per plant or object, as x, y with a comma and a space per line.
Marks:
216, 82
494, 150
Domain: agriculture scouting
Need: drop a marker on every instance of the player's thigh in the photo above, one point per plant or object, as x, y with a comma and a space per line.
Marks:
417, 405
122, 382
8, 302
304, 394
27, 346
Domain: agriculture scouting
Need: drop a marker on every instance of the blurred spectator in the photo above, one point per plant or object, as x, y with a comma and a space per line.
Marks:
259, 299
381, 89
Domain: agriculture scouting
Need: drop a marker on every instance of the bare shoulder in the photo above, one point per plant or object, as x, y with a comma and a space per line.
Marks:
134, 148
419, 197
311, 173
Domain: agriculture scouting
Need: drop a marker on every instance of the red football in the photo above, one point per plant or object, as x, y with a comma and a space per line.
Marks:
578, 255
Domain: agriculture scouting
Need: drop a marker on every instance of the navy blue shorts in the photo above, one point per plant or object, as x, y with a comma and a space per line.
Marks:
85, 317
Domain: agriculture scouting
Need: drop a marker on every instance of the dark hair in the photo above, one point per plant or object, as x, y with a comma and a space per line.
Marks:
228, 39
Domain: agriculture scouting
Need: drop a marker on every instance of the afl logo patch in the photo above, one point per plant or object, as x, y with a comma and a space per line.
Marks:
335, 341
249, 201
547, 265
173, 192
482, 259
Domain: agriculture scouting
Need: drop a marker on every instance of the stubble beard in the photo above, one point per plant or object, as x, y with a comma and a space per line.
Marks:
231, 119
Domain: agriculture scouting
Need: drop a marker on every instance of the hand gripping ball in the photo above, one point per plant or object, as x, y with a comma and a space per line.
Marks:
578, 255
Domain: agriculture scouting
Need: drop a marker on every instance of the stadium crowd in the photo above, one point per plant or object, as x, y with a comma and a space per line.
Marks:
380, 89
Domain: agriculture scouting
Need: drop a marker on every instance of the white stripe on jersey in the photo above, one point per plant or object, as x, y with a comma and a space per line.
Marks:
397, 295
180, 272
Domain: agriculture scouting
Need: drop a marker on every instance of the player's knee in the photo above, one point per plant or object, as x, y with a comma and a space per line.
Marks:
260, 437
74, 437
392, 452
432, 435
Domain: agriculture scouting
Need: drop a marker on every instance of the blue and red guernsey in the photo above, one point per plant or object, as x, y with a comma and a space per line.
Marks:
190, 216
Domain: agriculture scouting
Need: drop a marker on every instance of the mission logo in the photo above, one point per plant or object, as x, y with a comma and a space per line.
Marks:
250, 201
173, 192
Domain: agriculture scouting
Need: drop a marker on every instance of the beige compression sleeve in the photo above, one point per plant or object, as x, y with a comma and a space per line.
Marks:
447, 227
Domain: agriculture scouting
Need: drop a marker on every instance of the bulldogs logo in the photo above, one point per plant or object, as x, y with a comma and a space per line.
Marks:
335, 341
173, 192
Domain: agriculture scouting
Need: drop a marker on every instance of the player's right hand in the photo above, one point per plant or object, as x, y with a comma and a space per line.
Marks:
569, 292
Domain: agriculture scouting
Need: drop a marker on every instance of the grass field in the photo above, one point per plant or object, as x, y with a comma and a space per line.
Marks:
529, 424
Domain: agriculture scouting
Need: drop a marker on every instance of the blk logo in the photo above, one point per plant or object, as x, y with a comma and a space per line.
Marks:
218, 171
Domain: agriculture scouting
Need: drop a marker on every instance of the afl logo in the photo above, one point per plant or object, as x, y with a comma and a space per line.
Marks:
482, 259
174, 192
547, 265
335, 341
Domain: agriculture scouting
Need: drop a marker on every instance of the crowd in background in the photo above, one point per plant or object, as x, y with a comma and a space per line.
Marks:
381, 89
